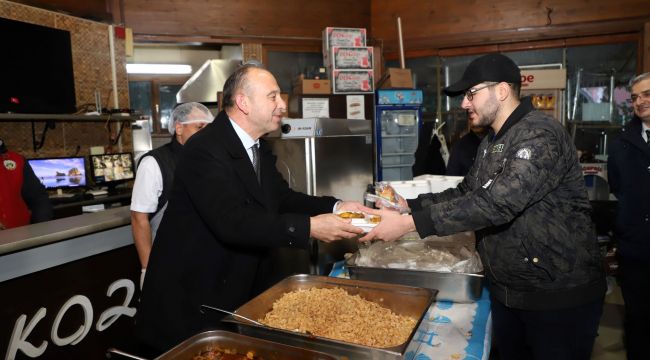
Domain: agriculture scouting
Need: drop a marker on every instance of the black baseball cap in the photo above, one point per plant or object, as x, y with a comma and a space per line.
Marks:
491, 67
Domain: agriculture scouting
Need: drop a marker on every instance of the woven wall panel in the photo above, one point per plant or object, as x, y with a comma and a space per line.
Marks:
92, 71
252, 51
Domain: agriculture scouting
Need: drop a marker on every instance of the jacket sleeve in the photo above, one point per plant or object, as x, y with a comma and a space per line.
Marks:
35, 196
233, 215
425, 200
516, 184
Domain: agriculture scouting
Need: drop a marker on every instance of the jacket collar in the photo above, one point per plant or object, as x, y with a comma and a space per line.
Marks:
240, 160
525, 106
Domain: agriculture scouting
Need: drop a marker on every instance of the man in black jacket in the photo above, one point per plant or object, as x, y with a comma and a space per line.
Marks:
629, 179
229, 206
526, 199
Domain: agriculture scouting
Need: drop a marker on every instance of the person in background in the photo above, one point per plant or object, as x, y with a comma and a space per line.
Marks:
463, 152
525, 198
23, 199
628, 167
428, 159
228, 208
155, 176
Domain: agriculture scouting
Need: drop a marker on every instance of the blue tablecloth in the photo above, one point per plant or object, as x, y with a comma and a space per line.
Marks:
449, 330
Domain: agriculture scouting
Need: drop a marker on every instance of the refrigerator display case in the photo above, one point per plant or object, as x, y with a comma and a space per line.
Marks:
320, 156
398, 119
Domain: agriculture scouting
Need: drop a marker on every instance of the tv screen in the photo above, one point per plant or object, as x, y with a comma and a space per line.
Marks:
58, 173
36, 69
110, 168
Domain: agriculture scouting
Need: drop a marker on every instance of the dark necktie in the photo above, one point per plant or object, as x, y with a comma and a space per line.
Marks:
647, 137
256, 160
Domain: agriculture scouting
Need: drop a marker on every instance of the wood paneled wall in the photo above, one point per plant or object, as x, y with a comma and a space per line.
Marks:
452, 24
267, 22
429, 27
92, 70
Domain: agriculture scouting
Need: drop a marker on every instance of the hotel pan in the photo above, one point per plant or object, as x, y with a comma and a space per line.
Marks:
402, 300
242, 344
457, 287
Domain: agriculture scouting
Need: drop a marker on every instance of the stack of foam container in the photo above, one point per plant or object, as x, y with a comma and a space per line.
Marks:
425, 184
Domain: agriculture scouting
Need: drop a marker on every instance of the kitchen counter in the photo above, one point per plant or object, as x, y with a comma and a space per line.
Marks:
87, 262
29, 236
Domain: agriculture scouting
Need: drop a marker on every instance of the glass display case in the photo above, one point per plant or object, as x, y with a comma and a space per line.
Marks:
398, 121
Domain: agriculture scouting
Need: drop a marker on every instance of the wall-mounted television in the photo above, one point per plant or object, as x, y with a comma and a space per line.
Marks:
60, 173
111, 169
36, 69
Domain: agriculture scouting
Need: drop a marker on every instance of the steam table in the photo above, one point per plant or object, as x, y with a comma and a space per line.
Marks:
449, 330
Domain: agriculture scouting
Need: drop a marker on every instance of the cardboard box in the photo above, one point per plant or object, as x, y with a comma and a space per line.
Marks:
378, 65
307, 86
353, 81
334, 36
350, 57
398, 78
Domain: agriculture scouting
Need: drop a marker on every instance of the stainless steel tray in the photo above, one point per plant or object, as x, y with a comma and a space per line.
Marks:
242, 344
457, 287
403, 300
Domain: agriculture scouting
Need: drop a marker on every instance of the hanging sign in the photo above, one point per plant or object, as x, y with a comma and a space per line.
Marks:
543, 79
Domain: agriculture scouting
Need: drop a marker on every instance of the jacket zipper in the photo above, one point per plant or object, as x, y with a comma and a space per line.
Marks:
499, 172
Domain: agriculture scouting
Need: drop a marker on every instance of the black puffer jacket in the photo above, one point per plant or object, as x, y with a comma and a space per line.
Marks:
526, 199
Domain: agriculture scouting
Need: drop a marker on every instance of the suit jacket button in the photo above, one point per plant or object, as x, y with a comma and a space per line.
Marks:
292, 229
535, 260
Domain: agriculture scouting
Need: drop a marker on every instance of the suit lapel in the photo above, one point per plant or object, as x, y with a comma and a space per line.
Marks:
240, 160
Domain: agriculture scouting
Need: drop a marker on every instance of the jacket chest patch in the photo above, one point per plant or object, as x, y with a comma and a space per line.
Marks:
10, 165
497, 148
524, 153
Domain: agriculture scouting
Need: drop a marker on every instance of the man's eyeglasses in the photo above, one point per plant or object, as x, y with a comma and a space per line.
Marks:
644, 95
469, 94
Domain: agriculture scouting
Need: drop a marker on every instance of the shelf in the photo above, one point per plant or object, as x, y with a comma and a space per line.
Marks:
65, 117
595, 124
397, 154
396, 166
398, 136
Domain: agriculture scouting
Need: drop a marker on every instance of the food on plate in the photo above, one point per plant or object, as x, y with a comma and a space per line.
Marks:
335, 314
373, 219
351, 215
215, 353
386, 192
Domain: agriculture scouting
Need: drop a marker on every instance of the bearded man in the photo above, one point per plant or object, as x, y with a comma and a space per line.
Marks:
525, 198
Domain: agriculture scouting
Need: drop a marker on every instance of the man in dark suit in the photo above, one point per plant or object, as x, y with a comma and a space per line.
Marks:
628, 168
228, 207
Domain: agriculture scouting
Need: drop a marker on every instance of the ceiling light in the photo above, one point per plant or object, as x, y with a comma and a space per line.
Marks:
176, 69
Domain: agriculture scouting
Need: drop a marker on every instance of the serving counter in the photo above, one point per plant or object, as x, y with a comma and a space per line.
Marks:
449, 330
68, 286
